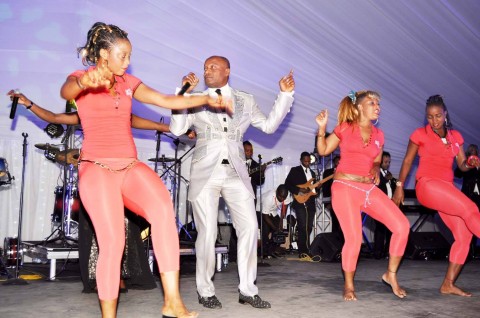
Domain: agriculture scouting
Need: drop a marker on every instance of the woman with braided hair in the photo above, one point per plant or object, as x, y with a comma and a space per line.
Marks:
110, 175
354, 187
437, 145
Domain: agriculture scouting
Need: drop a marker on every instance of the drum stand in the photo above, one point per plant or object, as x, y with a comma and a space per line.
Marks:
64, 230
176, 168
16, 280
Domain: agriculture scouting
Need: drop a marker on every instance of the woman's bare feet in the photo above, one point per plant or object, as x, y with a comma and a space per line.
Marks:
177, 309
390, 278
349, 295
448, 288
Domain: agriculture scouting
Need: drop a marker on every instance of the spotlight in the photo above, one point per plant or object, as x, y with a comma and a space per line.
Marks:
54, 130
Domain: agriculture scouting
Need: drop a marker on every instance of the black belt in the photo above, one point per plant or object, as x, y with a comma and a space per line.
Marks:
225, 162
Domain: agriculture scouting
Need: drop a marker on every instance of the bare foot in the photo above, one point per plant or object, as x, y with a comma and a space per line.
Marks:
390, 279
448, 288
349, 295
177, 309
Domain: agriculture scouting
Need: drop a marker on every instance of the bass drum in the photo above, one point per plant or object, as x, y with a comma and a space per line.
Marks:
73, 204
10, 251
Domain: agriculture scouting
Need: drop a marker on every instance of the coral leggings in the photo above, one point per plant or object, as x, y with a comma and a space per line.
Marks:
349, 199
104, 194
457, 211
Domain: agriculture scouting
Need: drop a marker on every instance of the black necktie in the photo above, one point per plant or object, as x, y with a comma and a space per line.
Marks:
306, 171
218, 91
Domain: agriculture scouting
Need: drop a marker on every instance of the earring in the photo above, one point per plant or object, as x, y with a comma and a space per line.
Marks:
375, 123
446, 121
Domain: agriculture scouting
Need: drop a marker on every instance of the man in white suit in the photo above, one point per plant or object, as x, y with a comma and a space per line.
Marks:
218, 168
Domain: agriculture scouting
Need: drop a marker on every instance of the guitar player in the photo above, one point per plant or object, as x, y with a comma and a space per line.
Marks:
257, 179
305, 212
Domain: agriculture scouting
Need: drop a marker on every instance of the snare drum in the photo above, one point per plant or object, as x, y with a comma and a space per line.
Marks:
10, 251
73, 204
3, 167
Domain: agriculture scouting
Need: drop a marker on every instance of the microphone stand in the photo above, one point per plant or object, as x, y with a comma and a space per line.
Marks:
17, 280
262, 262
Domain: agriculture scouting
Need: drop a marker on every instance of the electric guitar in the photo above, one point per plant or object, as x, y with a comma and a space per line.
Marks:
256, 169
303, 197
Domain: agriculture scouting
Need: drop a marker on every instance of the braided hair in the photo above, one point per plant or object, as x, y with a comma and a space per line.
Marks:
100, 36
437, 100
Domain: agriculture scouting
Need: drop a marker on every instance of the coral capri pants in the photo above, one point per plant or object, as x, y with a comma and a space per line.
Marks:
458, 212
349, 199
104, 192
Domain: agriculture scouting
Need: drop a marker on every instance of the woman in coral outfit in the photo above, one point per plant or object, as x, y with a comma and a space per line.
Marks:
110, 175
354, 187
438, 145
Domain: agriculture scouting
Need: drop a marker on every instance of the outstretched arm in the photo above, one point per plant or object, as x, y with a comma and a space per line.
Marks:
407, 163
42, 113
147, 124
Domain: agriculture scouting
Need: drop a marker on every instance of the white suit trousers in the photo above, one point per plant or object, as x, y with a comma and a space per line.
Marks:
225, 182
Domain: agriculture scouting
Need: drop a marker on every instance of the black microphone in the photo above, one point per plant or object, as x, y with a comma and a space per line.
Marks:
14, 105
184, 88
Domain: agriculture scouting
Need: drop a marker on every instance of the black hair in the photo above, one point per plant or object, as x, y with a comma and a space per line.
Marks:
100, 36
437, 100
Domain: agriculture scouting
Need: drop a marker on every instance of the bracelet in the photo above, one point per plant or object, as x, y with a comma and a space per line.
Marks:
465, 163
320, 135
30, 106
80, 84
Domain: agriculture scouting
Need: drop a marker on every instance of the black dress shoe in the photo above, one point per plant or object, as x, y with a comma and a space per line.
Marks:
211, 302
255, 301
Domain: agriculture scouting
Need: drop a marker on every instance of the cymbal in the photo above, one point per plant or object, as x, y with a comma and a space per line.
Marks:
162, 159
47, 147
69, 156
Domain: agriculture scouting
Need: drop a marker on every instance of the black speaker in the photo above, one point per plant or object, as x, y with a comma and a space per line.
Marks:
328, 246
427, 245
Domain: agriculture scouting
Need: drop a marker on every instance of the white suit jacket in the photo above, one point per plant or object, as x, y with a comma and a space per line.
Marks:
211, 139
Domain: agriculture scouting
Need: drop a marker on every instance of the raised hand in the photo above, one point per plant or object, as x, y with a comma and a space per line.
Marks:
192, 79
322, 119
98, 76
287, 83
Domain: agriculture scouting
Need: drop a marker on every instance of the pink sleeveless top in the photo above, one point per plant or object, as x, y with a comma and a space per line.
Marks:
436, 157
106, 119
355, 157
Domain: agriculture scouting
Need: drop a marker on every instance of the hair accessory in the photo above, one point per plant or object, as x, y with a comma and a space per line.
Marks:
352, 96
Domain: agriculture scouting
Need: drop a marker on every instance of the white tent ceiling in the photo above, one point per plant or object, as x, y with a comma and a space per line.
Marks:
407, 50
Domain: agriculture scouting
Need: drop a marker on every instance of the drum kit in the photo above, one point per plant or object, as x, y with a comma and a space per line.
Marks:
67, 202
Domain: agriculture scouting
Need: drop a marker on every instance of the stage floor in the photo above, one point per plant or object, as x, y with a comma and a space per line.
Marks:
295, 289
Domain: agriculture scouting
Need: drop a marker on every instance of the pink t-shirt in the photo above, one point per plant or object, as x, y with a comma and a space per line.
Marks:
106, 119
356, 158
436, 157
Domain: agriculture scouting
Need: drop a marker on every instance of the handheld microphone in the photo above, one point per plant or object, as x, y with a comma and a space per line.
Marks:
184, 88
14, 105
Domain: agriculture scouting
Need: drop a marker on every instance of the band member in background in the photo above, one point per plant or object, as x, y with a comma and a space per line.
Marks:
382, 235
218, 168
110, 175
305, 212
274, 209
354, 190
257, 179
437, 145
327, 194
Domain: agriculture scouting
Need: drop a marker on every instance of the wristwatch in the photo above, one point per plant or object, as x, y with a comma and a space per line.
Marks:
399, 183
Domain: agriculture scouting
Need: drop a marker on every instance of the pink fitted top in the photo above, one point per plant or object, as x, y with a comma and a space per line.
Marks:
106, 120
436, 157
357, 158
